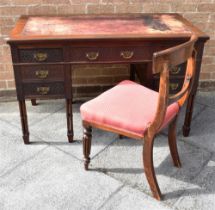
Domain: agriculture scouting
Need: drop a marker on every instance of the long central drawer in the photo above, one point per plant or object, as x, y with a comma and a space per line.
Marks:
124, 54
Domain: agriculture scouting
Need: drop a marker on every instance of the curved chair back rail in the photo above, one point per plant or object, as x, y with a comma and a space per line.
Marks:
163, 61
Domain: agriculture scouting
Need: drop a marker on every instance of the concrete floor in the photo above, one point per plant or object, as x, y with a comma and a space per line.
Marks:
49, 174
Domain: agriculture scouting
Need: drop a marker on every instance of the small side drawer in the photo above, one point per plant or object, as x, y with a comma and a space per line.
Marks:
43, 89
40, 55
178, 70
175, 85
42, 72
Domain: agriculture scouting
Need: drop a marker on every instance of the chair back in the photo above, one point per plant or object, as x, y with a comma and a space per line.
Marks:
163, 62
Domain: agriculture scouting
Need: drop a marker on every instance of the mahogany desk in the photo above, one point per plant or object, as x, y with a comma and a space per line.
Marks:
45, 47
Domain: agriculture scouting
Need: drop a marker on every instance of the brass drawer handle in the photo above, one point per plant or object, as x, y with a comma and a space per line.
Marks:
175, 70
127, 54
43, 90
173, 86
92, 55
40, 56
42, 74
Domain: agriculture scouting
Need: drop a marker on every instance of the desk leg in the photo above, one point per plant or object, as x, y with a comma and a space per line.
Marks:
188, 116
69, 120
33, 102
24, 121
132, 72
144, 73
199, 46
148, 76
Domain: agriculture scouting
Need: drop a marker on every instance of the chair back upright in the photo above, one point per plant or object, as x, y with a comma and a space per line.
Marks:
163, 62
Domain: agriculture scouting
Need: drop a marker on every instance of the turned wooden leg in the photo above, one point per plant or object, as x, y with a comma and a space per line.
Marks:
87, 145
149, 167
69, 120
188, 115
24, 121
173, 143
143, 72
33, 102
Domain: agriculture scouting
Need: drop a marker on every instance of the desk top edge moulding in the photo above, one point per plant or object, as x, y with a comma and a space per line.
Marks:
132, 26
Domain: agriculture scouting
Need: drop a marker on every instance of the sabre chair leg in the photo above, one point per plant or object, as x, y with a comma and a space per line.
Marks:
149, 166
173, 143
87, 145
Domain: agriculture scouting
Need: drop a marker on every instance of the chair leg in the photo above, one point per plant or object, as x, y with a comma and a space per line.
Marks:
173, 143
87, 145
149, 167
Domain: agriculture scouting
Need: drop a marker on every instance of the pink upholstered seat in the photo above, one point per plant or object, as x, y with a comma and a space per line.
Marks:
127, 107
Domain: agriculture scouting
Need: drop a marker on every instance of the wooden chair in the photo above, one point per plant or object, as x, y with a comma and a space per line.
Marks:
132, 110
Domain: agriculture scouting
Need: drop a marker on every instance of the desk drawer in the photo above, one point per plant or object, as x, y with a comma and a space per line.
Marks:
43, 89
178, 70
40, 55
42, 72
175, 85
89, 54
110, 54
133, 53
